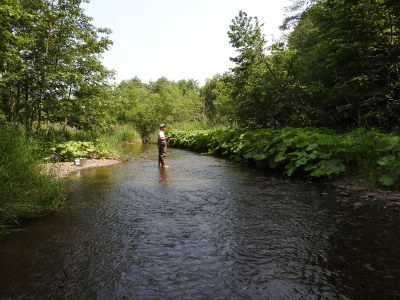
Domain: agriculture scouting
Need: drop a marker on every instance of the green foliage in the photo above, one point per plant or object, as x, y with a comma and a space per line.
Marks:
50, 68
260, 89
351, 76
392, 164
115, 141
145, 106
217, 105
315, 152
338, 67
26, 191
250, 76
70, 150
70, 143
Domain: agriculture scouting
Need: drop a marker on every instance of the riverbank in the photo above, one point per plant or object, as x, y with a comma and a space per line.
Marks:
351, 191
319, 153
64, 169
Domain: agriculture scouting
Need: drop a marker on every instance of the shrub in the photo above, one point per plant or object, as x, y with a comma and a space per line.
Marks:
316, 152
70, 150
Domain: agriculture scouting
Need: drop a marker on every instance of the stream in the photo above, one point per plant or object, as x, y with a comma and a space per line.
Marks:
205, 228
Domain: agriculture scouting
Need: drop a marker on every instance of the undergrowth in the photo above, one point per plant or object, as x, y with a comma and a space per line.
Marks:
371, 156
26, 191
94, 144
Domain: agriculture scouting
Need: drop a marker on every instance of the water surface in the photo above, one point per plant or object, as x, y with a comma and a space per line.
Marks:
205, 228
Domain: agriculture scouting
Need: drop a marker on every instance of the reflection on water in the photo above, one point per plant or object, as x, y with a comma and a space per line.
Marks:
163, 181
202, 229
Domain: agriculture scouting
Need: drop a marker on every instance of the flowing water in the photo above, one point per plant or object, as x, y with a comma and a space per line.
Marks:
205, 228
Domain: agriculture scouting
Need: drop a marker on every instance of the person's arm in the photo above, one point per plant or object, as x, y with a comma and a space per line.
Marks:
161, 136
165, 138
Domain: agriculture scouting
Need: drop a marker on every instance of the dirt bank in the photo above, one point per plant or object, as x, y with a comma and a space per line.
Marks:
359, 195
63, 169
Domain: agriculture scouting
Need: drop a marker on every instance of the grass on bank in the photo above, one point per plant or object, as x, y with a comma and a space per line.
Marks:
114, 142
368, 156
26, 191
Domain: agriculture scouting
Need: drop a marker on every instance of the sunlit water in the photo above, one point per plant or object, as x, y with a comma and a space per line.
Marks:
203, 229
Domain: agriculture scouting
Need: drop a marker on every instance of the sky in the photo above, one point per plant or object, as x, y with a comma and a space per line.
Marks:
176, 39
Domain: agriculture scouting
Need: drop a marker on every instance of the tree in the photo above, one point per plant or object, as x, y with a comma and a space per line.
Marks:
260, 91
217, 105
246, 37
162, 101
346, 54
59, 61
12, 65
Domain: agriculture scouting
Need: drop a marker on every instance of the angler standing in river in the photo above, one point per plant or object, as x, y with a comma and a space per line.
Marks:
162, 146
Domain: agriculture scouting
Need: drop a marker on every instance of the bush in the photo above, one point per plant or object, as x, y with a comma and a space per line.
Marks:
101, 144
70, 150
316, 152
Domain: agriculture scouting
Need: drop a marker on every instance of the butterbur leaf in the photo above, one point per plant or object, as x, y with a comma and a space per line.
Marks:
290, 170
328, 167
386, 160
301, 161
387, 180
280, 157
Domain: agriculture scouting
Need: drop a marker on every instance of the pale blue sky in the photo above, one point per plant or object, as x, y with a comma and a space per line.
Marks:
177, 39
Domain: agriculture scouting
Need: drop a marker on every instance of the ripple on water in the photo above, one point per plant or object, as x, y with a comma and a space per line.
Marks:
203, 229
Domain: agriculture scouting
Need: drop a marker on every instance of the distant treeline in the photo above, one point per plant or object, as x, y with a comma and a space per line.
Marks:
337, 66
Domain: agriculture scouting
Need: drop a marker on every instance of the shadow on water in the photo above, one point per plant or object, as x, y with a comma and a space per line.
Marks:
204, 229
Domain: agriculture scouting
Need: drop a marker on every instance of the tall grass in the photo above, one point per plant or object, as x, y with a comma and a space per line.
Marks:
26, 191
114, 142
